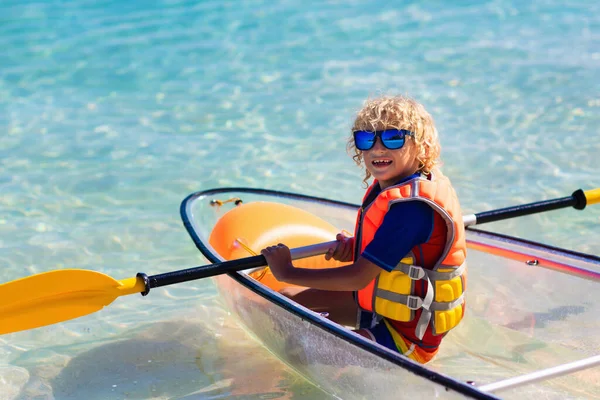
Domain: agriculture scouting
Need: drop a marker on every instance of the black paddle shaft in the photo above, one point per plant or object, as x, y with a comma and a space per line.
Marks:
577, 200
204, 271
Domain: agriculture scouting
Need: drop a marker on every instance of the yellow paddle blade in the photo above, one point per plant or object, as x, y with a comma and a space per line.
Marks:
60, 295
592, 196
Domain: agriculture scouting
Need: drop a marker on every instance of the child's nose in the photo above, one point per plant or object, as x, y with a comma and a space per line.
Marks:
378, 144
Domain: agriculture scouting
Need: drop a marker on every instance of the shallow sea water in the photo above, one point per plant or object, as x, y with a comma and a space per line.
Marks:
112, 112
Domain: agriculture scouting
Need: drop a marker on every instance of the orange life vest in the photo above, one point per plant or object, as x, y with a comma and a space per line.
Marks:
392, 294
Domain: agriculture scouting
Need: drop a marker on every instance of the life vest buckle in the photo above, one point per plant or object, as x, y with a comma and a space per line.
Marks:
414, 302
415, 273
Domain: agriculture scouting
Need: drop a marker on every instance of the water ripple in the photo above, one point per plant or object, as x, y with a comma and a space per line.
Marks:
112, 112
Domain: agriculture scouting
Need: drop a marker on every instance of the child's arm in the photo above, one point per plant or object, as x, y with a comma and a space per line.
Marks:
347, 278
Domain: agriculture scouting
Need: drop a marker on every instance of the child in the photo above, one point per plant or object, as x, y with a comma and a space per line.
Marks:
407, 279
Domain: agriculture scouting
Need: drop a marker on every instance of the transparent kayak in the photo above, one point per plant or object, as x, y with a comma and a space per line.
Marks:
530, 330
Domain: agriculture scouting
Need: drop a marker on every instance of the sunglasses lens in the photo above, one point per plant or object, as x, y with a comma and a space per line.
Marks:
393, 139
364, 140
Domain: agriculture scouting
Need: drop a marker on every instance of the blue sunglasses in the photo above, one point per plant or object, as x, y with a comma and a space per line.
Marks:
392, 139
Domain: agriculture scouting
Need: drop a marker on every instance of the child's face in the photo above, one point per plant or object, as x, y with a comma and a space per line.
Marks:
390, 166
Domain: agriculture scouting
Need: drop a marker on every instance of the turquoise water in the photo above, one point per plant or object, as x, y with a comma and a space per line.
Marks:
112, 112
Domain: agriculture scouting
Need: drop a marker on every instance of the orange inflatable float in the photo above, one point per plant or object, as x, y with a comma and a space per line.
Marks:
248, 228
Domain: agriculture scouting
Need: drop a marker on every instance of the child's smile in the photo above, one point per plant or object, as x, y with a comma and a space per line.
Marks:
381, 163
390, 166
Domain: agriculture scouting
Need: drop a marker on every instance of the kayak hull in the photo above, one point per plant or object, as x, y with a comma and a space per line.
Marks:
510, 329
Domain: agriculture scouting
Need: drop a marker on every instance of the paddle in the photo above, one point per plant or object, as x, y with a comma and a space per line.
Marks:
60, 295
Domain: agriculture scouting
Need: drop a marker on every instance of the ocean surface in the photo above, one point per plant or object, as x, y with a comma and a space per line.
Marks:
112, 112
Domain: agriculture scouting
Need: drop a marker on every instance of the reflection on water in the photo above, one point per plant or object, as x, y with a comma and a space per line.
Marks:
194, 358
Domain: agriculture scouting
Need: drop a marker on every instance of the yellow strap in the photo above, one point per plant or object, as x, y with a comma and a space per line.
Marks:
592, 196
249, 250
217, 202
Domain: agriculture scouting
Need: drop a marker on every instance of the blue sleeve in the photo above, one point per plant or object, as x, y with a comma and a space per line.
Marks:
405, 225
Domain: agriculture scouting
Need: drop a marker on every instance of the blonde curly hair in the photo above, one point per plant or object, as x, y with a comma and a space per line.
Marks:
399, 112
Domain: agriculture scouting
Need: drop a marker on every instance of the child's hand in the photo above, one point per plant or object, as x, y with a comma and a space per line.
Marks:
343, 250
279, 259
